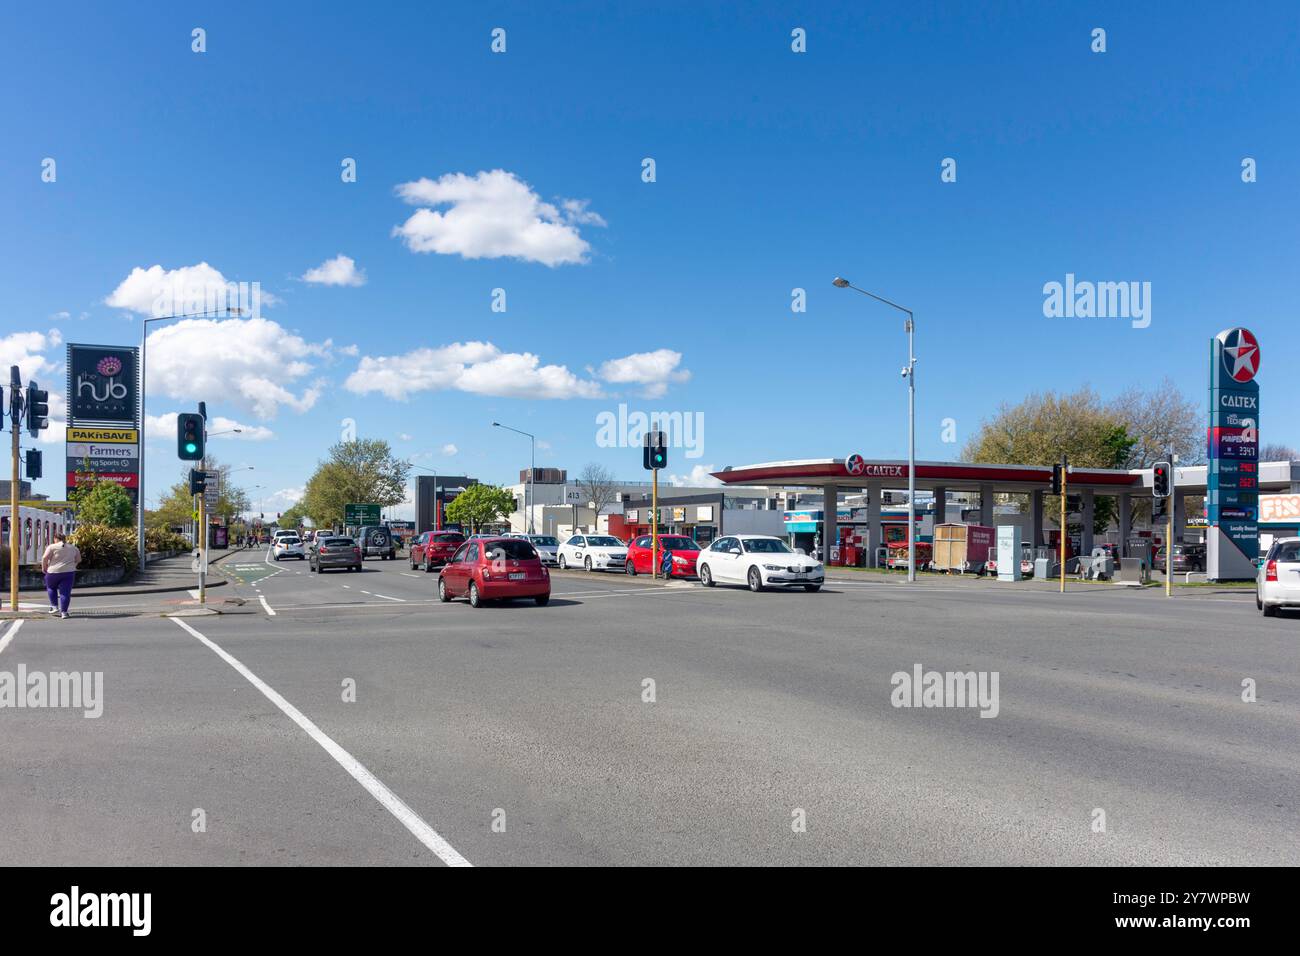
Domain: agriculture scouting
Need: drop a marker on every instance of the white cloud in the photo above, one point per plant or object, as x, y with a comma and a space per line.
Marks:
404, 437
246, 361
477, 367
56, 434
199, 288
25, 349
165, 426
652, 370
341, 270
493, 215
449, 450
699, 477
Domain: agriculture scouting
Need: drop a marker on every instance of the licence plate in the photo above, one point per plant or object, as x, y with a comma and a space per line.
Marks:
518, 577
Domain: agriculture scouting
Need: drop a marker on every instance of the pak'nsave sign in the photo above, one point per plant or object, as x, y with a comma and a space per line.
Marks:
1232, 450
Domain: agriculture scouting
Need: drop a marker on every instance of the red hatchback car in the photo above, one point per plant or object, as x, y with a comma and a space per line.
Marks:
433, 549
684, 549
490, 569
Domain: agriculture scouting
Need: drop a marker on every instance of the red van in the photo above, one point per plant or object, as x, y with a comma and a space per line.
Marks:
491, 569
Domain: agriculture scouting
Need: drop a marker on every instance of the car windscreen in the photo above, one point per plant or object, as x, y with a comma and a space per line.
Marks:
545, 541
447, 538
765, 546
604, 541
338, 543
515, 549
289, 541
679, 544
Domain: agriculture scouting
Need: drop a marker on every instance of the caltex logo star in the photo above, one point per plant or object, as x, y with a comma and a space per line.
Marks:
1240, 355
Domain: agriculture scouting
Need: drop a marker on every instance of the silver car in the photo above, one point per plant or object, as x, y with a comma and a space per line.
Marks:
1277, 583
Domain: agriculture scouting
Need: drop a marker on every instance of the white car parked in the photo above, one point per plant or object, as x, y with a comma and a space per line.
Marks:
1277, 583
594, 552
287, 547
759, 561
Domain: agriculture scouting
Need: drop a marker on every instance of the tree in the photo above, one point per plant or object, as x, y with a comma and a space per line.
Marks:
480, 505
1160, 421
598, 486
294, 516
105, 503
1044, 426
1276, 452
361, 471
177, 508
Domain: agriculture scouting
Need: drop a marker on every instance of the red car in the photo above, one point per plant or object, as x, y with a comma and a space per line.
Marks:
490, 569
434, 548
684, 549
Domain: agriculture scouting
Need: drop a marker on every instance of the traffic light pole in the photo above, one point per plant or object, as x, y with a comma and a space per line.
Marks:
1065, 481
15, 526
1169, 534
654, 521
203, 549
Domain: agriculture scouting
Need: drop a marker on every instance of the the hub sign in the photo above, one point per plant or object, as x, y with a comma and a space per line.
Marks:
1232, 493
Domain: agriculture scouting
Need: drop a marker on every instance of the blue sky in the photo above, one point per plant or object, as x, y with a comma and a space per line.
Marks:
774, 171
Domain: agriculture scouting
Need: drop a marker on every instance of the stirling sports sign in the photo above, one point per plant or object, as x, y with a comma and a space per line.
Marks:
1232, 475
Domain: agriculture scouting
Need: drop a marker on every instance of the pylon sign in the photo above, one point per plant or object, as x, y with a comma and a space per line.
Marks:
1232, 474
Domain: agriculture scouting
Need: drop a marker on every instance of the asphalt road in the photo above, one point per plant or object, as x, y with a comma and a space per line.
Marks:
765, 705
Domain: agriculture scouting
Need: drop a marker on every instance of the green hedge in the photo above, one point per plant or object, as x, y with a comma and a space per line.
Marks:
104, 547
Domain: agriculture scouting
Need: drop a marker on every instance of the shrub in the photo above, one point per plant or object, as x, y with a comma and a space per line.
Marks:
104, 503
162, 539
104, 547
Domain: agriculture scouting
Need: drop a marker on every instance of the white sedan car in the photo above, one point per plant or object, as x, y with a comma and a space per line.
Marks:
1277, 583
595, 552
287, 547
759, 561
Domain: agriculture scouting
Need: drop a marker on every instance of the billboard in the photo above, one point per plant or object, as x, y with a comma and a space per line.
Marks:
1232, 451
103, 385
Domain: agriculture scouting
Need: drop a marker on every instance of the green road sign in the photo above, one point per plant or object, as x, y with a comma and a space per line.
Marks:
357, 515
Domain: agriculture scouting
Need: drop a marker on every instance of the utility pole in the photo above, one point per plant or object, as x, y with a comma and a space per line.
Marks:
1065, 485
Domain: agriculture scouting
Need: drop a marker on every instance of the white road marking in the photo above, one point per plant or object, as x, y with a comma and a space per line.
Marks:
387, 598
9, 634
269, 610
389, 800
194, 593
348, 586
408, 574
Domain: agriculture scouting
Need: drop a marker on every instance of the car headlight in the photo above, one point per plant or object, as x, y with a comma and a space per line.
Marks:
679, 560
773, 567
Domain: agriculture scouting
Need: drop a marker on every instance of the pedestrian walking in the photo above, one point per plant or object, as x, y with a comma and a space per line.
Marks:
60, 566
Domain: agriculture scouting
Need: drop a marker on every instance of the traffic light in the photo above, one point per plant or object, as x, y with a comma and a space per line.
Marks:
38, 409
1056, 479
1160, 479
655, 451
33, 463
189, 436
198, 481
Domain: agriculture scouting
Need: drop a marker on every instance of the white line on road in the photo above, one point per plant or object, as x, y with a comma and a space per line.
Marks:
390, 801
386, 597
408, 574
9, 634
269, 610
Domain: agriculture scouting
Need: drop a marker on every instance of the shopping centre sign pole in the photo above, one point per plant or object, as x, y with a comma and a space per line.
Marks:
909, 373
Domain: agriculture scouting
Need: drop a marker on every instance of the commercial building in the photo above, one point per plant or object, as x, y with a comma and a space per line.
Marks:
432, 495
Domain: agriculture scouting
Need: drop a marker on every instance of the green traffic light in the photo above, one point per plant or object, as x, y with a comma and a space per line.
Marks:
191, 447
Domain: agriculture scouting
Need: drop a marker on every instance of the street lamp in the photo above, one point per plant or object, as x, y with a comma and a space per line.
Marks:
228, 431
530, 491
909, 373
144, 343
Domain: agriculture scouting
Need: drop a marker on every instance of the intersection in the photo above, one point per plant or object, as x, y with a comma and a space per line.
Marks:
353, 719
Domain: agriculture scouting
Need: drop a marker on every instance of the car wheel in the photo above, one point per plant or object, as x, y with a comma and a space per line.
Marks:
812, 588
564, 565
428, 568
706, 576
542, 600
755, 579
630, 568
356, 567
474, 599
1259, 605
443, 596
412, 562
587, 563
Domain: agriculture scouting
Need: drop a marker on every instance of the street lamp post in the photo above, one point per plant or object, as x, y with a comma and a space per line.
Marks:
144, 343
530, 490
909, 373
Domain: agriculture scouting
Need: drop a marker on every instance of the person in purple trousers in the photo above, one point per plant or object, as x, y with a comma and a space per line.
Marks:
60, 566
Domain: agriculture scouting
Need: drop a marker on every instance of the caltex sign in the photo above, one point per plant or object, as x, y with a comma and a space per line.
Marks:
1232, 450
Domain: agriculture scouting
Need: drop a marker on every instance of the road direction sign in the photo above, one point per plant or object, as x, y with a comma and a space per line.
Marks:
358, 514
